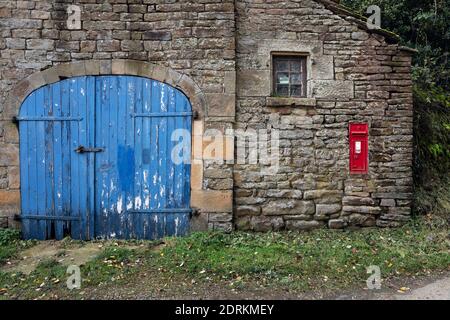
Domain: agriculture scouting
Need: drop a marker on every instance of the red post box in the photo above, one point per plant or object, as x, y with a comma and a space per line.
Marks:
359, 147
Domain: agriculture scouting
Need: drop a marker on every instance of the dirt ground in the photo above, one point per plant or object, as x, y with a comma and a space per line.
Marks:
151, 284
66, 254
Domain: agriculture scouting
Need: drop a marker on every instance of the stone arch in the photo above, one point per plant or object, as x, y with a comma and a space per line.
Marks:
199, 196
60, 72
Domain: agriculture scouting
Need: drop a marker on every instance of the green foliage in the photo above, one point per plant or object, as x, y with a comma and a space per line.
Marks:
113, 264
432, 138
8, 244
9, 236
421, 24
320, 258
285, 260
432, 149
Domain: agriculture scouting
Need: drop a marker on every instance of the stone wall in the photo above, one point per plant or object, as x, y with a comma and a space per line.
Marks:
195, 39
353, 75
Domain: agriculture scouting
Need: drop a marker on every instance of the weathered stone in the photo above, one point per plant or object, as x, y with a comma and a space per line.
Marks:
362, 220
323, 68
9, 197
352, 200
362, 209
203, 50
243, 223
199, 222
253, 83
248, 210
221, 105
9, 155
40, 44
157, 35
212, 200
220, 217
108, 45
327, 209
336, 224
15, 43
264, 224
387, 203
13, 177
132, 45
302, 225
229, 82
361, 35
323, 196
280, 207
332, 89
291, 102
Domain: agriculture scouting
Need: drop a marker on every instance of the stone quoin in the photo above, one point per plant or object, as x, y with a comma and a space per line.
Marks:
303, 69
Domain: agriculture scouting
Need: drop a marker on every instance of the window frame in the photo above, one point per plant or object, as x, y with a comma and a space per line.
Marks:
290, 56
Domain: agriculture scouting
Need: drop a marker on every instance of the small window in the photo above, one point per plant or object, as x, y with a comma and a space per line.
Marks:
289, 74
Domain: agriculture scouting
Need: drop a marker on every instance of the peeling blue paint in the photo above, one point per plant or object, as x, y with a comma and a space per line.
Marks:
131, 189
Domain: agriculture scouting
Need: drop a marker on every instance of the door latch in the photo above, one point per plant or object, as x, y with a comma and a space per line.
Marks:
83, 149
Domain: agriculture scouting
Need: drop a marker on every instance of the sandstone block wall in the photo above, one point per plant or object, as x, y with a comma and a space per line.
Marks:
353, 75
224, 47
195, 38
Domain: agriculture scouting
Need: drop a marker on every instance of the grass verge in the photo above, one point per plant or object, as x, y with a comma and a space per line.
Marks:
322, 259
10, 244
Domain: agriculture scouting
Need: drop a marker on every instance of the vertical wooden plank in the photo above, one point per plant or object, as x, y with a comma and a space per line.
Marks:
163, 142
89, 139
101, 159
146, 150
76, 95
170, 165
40, 163
129, 173
152, 166
57, 156
32, 174
65, 156
113, 216
158, 218
49, 159
24, 181
183, 169
124, 158
139, 205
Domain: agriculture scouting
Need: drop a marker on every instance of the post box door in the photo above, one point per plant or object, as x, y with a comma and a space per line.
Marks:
359, 147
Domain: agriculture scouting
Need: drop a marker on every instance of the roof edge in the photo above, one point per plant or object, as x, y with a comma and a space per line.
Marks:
408, 49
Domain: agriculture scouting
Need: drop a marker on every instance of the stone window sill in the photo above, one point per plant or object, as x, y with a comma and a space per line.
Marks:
290, 102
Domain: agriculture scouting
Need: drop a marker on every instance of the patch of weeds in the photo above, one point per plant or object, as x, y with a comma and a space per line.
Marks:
112, 265
48, 276
8, 236
68, 243
10, 244
61, 253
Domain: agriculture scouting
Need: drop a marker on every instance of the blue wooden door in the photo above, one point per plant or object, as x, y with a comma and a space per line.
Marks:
97, 161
